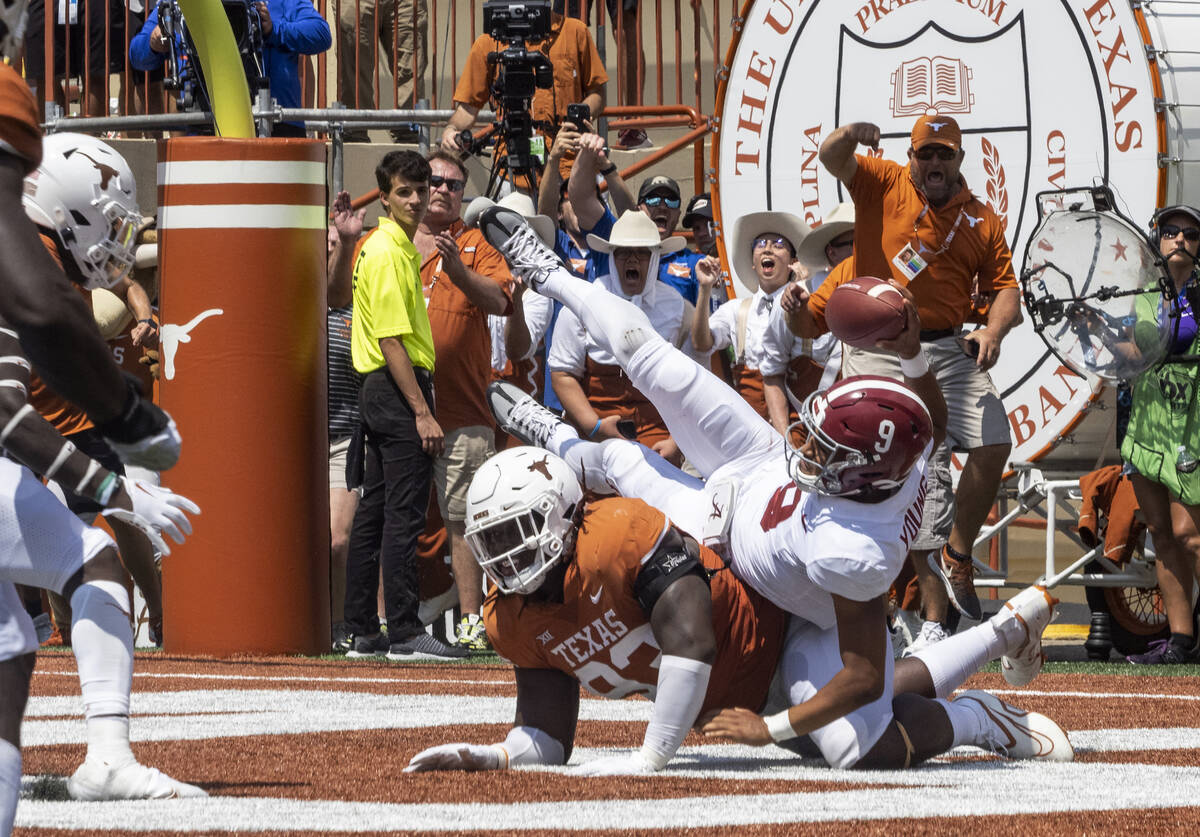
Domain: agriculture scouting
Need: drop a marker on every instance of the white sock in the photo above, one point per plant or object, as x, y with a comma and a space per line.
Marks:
953, 660
103, 644
964, 720
10, 784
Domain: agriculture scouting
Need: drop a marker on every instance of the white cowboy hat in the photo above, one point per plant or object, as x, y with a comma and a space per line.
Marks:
110, 313
838, 222
635, 229
749, 227
520, 203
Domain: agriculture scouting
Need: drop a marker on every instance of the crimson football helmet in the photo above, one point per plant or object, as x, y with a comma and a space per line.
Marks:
860, 438
521, 507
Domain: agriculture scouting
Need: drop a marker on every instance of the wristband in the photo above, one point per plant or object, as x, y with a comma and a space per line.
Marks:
612, 167
914, 367
150, 323
592, 434
105, 492
780, 727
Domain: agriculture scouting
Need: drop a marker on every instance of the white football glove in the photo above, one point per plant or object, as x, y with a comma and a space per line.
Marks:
155, 510
456, 757
627, 764
156, 453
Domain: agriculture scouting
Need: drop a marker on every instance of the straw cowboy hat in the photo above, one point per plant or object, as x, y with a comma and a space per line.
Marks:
521, 204
838, 222
635, 229
749, 227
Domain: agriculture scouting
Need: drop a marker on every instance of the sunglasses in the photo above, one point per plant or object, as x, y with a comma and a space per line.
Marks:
659, 200
837, 245
771, 241
1170, 231
942, 152
451, 183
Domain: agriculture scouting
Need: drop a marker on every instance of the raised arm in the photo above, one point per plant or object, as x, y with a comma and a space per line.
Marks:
349, 225
708, 271
581, 187
837, 152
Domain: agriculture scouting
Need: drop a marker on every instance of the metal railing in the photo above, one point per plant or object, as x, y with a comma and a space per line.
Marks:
95, 79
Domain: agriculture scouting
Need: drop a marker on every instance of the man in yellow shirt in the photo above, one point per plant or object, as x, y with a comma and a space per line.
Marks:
392, 347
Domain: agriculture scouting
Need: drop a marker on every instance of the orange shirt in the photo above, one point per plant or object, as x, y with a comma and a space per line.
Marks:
887, 206
843, 272
20, 133
577, 68
599, 634
461, 339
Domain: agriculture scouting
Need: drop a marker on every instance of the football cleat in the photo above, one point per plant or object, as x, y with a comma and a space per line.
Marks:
472, 636
96, 780
1021, 622
508, 231
1015, 733
520, 415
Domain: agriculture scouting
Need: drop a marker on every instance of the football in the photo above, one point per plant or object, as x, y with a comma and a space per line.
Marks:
864, 310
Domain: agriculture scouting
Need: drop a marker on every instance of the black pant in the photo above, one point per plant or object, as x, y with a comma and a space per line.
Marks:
391, 513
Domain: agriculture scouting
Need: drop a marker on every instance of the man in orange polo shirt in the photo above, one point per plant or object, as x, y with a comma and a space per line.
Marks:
921, 226
465, 280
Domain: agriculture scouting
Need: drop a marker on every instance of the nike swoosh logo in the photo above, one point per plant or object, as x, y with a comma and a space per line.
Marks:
595, 597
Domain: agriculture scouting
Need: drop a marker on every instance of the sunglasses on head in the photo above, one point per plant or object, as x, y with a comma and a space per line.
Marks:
659, 200
771, 241
942, 152
451, 183
1171, 230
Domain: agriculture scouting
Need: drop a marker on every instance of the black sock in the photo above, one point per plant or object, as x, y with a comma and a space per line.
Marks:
955, 554
1185, 642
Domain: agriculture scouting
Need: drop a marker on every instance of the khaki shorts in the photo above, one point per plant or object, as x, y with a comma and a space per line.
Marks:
466, 449
975, 413
937, 516
337, 464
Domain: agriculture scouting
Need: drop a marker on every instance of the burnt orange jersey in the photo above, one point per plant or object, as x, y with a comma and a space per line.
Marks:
599, 634
19, 131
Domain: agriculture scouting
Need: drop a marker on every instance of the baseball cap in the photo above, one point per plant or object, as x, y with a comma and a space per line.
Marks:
935, 128
700, 206
1178, 209
660, 182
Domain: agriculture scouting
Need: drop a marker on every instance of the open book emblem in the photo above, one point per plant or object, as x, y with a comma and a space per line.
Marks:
937, 85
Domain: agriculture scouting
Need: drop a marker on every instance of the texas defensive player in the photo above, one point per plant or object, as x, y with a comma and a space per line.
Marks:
41, 543
611, 596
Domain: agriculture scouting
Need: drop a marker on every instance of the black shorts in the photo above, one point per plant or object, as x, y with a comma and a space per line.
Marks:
80, 43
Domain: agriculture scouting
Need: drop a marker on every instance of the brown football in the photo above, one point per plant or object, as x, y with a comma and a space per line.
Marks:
864, 310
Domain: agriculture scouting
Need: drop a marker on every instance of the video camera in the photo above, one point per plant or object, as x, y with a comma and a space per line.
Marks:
182, 72
519, 72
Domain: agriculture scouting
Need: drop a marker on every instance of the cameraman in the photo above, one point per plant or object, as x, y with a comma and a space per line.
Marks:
579, 77
290, 28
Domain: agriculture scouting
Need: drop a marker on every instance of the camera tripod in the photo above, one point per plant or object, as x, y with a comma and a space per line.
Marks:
524, 177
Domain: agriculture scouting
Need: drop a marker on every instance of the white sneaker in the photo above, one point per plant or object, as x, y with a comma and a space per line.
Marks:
931, 634
1021, 622
520, 415
507, 230
96, 780
1015, 733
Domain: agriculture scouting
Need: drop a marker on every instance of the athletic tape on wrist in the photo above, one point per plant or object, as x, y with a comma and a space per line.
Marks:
914, 367
780, 726
107, 487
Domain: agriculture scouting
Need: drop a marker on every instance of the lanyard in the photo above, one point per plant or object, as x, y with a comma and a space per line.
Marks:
949, 237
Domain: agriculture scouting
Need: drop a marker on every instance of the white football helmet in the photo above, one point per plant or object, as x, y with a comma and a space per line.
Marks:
520, 510
12, 28
84, 193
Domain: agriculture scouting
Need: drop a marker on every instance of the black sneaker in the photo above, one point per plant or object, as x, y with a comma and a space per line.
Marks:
531, 260
369, 646
342, 640
424, 646
1164, 652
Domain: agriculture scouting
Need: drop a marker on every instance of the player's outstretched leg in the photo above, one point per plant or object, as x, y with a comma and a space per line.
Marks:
628, 468
710, 422
1013, 635
103, 644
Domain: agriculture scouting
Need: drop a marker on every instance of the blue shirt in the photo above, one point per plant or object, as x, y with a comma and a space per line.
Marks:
672, 267
297, 28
